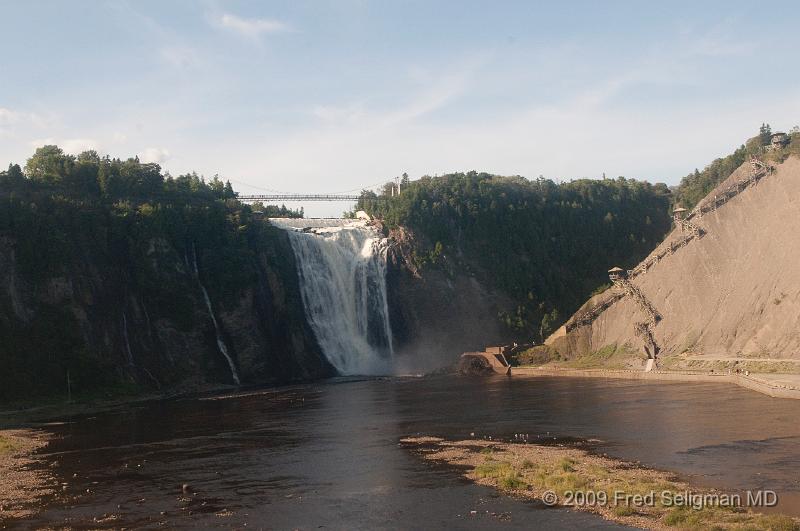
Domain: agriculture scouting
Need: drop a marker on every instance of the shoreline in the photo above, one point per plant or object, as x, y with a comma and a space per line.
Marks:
32, 413
753, 383
25, 483
569, 476
21, 416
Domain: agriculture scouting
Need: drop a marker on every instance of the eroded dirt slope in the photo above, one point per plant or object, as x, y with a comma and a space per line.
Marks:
735, 291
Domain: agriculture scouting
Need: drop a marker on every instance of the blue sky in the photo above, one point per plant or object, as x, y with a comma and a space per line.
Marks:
330, 96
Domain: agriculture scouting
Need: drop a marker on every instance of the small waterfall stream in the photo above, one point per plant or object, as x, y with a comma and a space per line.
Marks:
220, 340
128, 350
342, 270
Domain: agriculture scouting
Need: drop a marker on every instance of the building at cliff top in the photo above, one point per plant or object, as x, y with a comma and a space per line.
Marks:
778, 141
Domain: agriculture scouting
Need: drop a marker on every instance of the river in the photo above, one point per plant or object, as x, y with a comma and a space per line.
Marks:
326, 455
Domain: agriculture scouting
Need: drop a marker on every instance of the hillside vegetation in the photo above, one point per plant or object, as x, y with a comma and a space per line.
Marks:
544, 244
97, 282
698, 184
62, 203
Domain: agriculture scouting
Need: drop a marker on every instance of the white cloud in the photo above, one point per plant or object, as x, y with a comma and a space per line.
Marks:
39, 142
252, 27
334, 114
436, 92
567, 140
180, 56
724, 39
73, 146
152, 154
79, 145
432, 98
711, 46
8, 117
646, 114
14, 121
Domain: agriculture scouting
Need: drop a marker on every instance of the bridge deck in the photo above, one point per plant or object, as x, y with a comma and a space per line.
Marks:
296, 197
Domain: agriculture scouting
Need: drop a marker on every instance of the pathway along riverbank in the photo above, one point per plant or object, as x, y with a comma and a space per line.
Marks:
774, 385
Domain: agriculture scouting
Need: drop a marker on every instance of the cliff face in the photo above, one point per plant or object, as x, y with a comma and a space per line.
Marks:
146, 322
734, 291
437, 313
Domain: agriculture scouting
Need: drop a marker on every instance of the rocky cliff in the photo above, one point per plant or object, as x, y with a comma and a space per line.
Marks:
725, 285
109, 318
438, 312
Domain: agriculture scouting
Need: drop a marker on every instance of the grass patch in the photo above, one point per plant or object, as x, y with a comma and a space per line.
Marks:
561, 481
506, 476
775, 367
538, 355
608, 357
623, 510
776, 522
617, 490
670, 362
599, 472
6, 445
724, 366
726, 518
567, 464
512, 482
509, 471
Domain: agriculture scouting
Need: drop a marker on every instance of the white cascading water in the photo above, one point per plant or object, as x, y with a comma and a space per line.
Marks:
342, 270
223, 348
128, 350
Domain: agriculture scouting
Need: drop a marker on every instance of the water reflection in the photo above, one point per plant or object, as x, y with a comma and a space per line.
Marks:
327, 454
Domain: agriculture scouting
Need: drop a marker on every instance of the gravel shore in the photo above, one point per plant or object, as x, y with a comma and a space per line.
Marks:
23, 480
620, 491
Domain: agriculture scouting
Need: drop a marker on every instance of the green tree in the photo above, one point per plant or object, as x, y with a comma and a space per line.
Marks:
698, 184
49, 164
765, 134
13, 177
227, 192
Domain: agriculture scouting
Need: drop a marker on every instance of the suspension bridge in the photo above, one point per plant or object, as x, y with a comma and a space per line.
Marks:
283, 198
274, 196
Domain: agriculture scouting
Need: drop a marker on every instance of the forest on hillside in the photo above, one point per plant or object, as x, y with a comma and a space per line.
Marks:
88, 221
699, 183
61, 200
546, 245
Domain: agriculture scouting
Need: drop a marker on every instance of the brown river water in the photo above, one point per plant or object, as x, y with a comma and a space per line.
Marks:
326, 455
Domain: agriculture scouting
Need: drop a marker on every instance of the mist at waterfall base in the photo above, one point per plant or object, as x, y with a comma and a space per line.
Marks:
342, 271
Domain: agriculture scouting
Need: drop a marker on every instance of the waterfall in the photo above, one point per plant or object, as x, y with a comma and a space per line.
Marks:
128, 350
220, 340
342, 270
